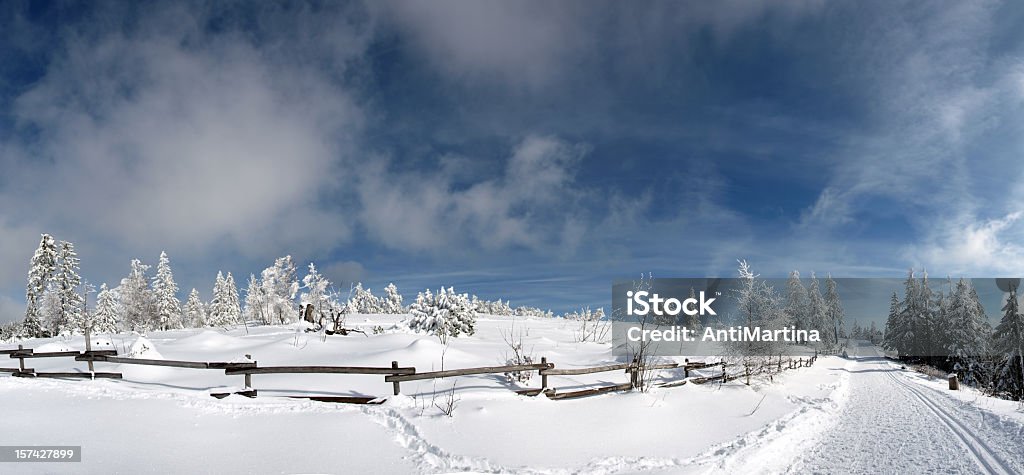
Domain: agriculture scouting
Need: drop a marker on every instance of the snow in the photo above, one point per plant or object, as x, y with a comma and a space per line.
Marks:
861, 415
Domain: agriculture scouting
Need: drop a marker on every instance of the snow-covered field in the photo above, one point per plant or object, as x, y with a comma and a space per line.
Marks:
841, 415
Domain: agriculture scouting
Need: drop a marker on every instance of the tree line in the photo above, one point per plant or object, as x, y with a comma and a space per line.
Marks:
949, 329
56, 298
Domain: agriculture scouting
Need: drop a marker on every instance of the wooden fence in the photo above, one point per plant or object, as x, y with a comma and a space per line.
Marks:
393, 374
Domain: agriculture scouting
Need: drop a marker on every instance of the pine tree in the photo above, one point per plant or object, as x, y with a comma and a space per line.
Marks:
105, 319
797, 302
136, 298
219, 313
929, 326
363, 301
1008, 345
897, 331
68, 282
968, 333
816, 311
392, 302
42, 268
833, 310
233, 305
165, 295
195, 310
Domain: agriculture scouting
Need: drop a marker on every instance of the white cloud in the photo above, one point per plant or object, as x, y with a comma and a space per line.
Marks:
415, 210
972, 246
147, 138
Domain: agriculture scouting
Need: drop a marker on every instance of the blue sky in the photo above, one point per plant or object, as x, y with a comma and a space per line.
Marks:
526, 150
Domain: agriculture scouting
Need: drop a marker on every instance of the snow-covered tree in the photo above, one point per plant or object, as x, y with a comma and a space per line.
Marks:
797, 302
757, 305
42, 269
1008, 345
968, 333
195, 310
834, 315
363, 301
898, 333
817, 316
255, 302
105, 317
392, 301
315, 292
280, 285
136, 298
52, 310
234, 303
533, 312
224, 310
165, 296
445, 314
67, 282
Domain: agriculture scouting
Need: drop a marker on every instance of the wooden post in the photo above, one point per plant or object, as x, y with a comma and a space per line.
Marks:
21, 360
543, 377
954, 383
394, 385
88, 347
633, 374
248, 377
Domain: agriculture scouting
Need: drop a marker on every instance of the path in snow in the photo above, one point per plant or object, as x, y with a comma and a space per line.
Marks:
890, 424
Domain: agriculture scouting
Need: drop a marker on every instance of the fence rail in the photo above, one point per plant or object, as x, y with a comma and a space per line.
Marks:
321, 370
394, 374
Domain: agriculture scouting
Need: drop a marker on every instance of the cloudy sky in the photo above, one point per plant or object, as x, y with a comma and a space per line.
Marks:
526, 150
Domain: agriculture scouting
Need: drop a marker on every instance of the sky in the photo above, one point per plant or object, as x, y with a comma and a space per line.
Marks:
526, 150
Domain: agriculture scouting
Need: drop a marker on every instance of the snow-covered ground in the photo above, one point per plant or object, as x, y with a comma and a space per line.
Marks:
842, 415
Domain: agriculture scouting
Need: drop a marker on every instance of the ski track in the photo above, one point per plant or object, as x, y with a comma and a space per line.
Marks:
890, 424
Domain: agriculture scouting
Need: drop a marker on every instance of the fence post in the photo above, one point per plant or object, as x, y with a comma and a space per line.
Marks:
634, 372
88, 348
248, 376
21, 360
543, 377
394, 385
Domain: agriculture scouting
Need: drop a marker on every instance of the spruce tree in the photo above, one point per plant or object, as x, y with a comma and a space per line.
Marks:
834, 315
896, 328
232, 307
1008, 343
816, 311
968, 335
218, 313
42, 268
167, 307
105, 319
393, 300
797, 302
68, 282
195, 311
136, 298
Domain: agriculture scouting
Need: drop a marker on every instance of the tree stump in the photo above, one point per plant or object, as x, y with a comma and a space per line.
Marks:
954, 383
